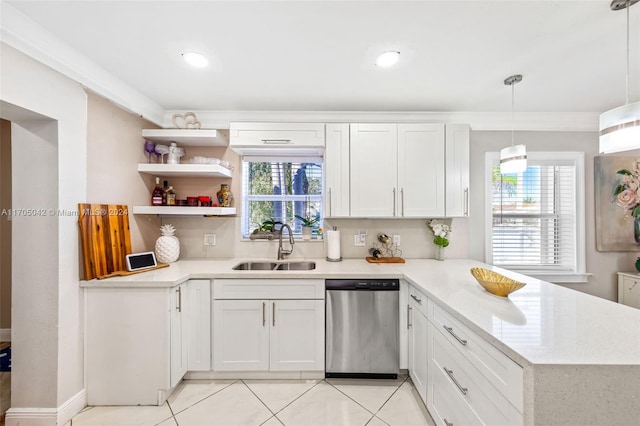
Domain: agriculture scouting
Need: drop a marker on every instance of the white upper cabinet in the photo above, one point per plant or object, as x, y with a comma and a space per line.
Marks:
374, 169
277, 138
397, 170
457, 148
421, 165
336, 168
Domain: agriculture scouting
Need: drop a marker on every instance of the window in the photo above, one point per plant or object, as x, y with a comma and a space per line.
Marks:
279, 189
537, 217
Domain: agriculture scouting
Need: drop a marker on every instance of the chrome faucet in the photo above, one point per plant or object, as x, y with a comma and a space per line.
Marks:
281, 252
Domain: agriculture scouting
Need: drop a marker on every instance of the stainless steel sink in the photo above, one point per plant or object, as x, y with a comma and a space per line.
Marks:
296, 266
255, 266
275, 266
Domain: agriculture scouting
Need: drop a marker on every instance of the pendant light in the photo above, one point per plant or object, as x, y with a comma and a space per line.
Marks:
620, 127
513, 159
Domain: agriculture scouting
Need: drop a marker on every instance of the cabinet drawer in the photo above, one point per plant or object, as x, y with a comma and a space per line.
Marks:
276, 135
487, 402
446, 404
504, 374
268, 289
418, 300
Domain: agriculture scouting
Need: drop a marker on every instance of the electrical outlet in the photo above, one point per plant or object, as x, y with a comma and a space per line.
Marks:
359, 240
396, 240
209, 239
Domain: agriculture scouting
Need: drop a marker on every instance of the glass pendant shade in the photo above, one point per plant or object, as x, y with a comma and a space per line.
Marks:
620, 129
513, 159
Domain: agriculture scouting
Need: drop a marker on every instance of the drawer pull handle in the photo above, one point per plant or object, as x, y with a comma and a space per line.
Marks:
276, 141
409, 317
450, 374
447, 423
263, 316
414, 297
450, 330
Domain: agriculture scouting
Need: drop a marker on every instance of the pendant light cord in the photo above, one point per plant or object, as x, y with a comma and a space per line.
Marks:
513, 117
627, 77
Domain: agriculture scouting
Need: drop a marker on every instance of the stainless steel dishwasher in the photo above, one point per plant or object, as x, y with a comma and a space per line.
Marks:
362, 331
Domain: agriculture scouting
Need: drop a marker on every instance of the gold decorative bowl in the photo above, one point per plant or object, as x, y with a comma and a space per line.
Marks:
495, 283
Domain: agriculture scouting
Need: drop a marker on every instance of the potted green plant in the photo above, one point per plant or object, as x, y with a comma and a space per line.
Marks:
307, 225
266, 230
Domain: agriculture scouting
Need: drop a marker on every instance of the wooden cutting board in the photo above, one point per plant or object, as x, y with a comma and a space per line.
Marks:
104, 230
385, 260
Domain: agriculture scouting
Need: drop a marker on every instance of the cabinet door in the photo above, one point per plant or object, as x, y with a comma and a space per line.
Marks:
179, 347
418, 349
373, 159
336, 168
421, 170
629, 290
199, 325
297, 335
457, 167
240, 335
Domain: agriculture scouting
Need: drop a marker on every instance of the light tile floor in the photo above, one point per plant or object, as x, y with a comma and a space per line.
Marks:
274, 403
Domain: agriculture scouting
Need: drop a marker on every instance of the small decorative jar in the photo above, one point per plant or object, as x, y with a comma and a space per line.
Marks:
225, 197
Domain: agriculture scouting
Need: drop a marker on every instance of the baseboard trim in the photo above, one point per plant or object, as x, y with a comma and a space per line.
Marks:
5, 334
72, 406
47, 416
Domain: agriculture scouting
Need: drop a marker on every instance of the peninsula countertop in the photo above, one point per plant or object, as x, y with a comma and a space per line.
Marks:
541, 324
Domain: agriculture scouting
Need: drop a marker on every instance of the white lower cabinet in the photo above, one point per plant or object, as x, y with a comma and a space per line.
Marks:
199, 325
178, 334
137, 342
418, 341
269, 334
469, 381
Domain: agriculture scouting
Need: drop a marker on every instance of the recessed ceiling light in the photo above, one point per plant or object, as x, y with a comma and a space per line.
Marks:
195, 59
388, 58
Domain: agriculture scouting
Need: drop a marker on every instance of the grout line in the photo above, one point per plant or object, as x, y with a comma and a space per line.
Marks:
261, 401
199, 401
391, 396
294, 400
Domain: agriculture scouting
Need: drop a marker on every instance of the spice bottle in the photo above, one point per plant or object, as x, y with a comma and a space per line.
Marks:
171, 196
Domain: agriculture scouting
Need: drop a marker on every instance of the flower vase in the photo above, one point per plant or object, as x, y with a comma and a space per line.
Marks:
306, 232
636, 229
439, 253
225, 197
638, 264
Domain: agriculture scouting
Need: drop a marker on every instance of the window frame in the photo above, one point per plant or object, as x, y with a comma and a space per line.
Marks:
578, 273
256, 158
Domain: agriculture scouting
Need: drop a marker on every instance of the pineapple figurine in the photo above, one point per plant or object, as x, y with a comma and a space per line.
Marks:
168, 245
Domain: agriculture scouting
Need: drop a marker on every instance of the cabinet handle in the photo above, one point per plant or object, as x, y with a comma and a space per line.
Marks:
276, 141
408, 316
450, 330
330, 203
273, 313
179, 304
414, 297
466, 201
402, 199
394, 201
447, 423
450, 374
264, 319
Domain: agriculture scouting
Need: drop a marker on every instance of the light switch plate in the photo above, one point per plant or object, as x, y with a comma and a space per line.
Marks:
396, 240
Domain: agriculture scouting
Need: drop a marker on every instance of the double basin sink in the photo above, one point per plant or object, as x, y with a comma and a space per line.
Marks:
275, 266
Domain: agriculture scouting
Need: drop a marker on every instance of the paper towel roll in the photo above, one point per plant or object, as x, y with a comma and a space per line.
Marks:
333, 245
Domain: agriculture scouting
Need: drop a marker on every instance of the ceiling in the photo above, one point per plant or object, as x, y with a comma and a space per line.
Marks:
319, 55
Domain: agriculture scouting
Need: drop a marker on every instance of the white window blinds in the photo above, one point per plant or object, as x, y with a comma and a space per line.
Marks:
534, 216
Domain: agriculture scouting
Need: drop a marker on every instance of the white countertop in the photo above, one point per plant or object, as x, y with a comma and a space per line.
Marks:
542, 323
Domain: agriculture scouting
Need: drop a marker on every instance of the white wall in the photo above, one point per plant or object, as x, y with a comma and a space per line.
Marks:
603, 265
36, 89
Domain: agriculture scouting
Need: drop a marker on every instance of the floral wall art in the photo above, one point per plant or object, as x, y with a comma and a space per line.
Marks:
617, 200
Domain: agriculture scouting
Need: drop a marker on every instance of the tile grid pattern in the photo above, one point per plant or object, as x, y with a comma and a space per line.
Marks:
274, 403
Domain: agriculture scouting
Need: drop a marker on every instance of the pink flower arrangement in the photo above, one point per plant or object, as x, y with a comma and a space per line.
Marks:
626, 194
